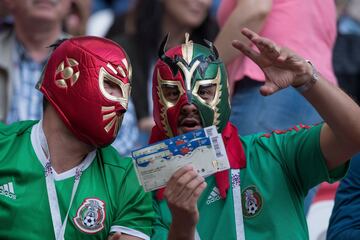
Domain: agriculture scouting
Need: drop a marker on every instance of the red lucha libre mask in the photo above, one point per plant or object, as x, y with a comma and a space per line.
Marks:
75, 81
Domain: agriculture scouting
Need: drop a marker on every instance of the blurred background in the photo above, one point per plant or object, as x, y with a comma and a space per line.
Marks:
28, 27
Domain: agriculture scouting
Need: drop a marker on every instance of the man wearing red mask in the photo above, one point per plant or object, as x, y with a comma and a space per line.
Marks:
261, 196
59, 178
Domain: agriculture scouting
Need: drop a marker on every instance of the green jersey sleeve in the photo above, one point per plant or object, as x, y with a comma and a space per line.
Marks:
161, 229
135, 205
298, 151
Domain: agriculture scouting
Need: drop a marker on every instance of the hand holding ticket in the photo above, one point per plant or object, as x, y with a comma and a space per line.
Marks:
203, 149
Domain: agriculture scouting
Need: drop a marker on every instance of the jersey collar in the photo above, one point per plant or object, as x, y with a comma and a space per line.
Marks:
38, 141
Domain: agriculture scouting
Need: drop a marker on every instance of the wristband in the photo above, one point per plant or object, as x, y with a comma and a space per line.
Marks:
309, 84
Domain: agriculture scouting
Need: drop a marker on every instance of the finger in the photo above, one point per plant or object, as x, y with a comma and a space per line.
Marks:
283, 56
188, 202
269, 88
196, 193
249, 34
183, 182
247, 51
190, 188
178, 173
261, 42
288, 56
267, 47
176, 185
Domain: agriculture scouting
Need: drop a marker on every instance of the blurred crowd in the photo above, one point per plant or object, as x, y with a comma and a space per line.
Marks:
331, 39
29, 27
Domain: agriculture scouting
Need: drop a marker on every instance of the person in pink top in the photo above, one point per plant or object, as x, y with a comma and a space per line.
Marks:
306, 26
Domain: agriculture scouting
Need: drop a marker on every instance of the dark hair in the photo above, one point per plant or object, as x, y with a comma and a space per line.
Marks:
57, 43
149, 16
53, 46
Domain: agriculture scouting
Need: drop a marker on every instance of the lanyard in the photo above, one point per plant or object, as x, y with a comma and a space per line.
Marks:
59, 227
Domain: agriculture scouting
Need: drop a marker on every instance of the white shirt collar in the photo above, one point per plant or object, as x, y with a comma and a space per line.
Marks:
38, 141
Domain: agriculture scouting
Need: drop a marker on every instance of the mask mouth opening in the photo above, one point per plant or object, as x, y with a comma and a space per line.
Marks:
189, 118
189, 122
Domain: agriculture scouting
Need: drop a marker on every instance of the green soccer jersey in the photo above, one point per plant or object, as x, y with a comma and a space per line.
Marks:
108, 198
280, 169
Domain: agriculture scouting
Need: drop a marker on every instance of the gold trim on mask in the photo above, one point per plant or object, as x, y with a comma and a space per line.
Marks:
72, 62
61, 83
163, 99
107, 109
167, 104
115, 119
128, 66
165, 122
216, 98
125, 62
110, 125
117, 126
188, 74
60, 67
187, 49
121, 70
215, 81
112, 68
108, 116
125, 87
67, 73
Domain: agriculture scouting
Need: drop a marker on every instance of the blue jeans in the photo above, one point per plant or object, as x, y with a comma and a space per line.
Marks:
253, 113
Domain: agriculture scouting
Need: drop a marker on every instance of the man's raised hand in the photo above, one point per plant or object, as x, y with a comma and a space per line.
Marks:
281, 66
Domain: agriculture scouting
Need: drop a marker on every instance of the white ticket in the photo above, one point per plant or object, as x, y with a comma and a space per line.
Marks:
203, 149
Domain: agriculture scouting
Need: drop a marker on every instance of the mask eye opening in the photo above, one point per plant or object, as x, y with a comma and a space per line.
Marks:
207, 92
170, 92
113, 87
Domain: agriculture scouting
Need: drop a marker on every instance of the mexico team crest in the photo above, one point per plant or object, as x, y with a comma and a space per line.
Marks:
90, 216
251, 201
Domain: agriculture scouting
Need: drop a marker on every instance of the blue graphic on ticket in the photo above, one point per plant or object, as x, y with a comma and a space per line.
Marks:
203, 149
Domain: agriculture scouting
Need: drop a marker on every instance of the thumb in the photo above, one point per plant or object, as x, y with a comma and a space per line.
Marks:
268, 88
115, 236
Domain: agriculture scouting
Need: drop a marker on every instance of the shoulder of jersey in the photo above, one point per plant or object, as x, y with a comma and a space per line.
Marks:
17, 128
111, 157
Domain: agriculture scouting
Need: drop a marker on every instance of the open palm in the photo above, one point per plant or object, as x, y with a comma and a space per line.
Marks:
281, 66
